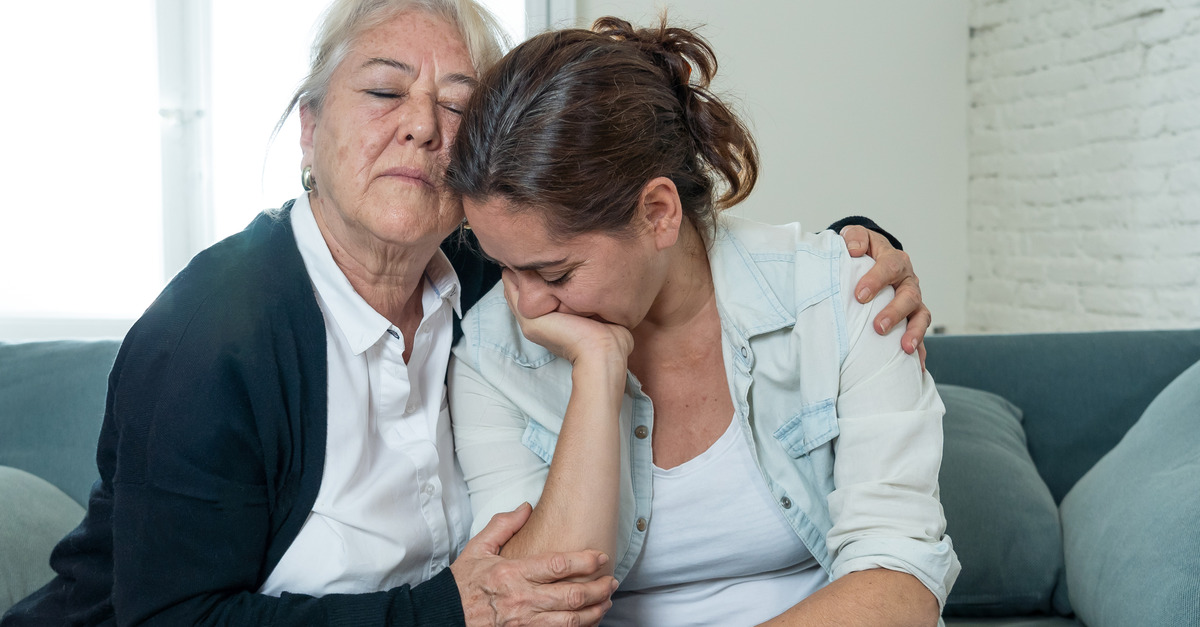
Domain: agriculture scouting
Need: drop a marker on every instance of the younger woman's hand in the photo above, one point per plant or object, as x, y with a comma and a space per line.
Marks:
570, 336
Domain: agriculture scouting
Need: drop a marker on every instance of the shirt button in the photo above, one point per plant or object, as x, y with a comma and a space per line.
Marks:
641, 524
786, 502
745, 352
641, 432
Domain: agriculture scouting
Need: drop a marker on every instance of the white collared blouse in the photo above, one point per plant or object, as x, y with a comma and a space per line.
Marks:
392, 508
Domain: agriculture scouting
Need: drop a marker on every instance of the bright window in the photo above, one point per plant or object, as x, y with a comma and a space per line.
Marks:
90, 136
81, 226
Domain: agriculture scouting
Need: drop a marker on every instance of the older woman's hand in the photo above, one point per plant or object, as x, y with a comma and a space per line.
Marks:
892, 267
528, 591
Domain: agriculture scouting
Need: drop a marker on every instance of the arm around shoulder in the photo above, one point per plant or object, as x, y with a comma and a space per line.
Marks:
887, 517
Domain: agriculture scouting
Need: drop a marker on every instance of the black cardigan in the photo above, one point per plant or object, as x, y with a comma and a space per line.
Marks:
211, 456
212, 451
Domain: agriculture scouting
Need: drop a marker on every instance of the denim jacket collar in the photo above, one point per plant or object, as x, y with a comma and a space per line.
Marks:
753, 301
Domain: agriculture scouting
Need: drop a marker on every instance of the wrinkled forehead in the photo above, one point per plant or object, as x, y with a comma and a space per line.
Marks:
414, 41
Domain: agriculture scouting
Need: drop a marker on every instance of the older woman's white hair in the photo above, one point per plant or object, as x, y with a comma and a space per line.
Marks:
345, 20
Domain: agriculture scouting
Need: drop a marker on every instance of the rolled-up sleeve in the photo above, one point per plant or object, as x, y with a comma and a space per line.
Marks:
500, 470
885, 507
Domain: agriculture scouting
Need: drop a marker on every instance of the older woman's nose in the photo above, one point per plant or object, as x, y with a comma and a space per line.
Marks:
419, 124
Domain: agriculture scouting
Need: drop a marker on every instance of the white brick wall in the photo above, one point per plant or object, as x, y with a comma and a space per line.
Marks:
1084, 143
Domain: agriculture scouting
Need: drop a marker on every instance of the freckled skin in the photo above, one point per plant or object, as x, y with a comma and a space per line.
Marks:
358, 136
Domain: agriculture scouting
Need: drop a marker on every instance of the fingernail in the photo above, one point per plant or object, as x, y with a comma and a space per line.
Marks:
863, 295
854, 246
603, 558
885, 324
615, 584
913, 345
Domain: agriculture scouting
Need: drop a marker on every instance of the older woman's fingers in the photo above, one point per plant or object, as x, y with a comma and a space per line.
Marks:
587, 617
553, 567
914, 334
858, 239
892, 267
569, 596
906, 303
499, 530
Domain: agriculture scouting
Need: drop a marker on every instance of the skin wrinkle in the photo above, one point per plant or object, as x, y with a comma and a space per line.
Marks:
387, 108
452, 78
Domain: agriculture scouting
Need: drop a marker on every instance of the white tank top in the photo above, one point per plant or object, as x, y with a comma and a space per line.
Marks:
717, 551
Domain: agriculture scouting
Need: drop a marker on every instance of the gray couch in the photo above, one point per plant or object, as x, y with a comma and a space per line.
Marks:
1071, 477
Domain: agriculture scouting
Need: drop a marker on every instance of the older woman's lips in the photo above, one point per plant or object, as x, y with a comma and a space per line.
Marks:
416, 176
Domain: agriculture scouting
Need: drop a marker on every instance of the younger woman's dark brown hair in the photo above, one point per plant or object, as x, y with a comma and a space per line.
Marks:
574, 123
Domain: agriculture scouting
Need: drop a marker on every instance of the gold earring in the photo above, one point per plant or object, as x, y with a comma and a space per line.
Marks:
306, 179
466, 226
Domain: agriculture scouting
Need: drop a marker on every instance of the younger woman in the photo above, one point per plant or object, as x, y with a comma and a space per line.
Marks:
699, 396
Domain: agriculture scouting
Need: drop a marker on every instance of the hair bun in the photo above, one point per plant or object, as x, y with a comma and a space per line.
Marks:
675, 50
720, 137
572, 124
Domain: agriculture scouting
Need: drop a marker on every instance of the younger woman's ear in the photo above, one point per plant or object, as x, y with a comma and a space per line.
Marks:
661, 211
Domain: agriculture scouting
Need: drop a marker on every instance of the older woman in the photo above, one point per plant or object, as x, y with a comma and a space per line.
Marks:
276, 447
699, 396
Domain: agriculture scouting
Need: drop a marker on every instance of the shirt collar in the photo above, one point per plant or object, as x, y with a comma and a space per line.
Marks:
359, 322
744, 294
440, 275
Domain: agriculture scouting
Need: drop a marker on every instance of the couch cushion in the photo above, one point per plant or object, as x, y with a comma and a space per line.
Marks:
999, 512
35, 516
1014, 621
51, 408
1130, 524
1079, 392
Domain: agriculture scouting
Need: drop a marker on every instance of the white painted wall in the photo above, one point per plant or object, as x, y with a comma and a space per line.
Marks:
1085, 165
859, 107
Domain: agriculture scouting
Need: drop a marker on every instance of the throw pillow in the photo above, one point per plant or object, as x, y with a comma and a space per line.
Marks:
35, 516
1130, 524
999, 512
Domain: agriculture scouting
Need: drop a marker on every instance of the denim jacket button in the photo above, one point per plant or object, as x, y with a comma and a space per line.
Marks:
641, 524
786, 502
641, 432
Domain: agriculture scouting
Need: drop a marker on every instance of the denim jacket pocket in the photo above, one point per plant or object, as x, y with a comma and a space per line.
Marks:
540, 440
815, 425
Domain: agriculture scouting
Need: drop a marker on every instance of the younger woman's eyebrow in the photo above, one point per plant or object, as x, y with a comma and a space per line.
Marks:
531, 267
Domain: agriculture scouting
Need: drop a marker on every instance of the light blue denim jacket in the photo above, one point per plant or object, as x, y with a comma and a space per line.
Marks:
846, 429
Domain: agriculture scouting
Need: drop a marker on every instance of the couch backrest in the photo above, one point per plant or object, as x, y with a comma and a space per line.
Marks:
1080, 392
51, 407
